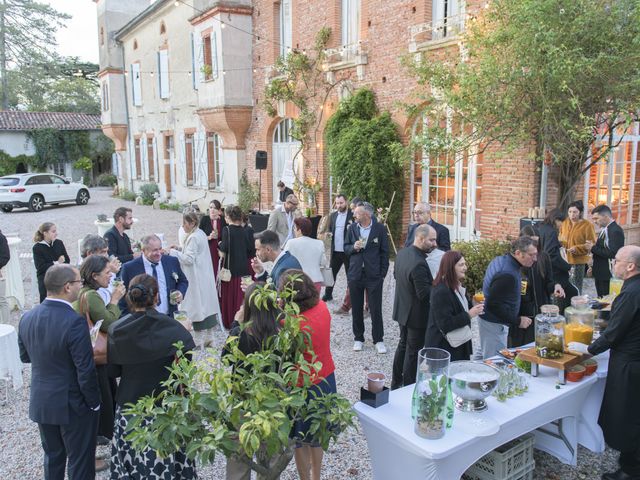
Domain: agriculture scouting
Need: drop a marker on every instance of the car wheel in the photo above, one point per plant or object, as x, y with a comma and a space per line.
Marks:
7, 209
36, 203
82, 198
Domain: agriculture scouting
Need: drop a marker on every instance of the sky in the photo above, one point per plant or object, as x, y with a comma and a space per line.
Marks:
80, 37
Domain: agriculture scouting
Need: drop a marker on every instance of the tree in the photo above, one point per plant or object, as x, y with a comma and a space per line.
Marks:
562, 76
27, 33
362, 147
247, 411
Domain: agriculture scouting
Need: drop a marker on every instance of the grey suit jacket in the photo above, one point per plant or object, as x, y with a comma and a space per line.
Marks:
278, 223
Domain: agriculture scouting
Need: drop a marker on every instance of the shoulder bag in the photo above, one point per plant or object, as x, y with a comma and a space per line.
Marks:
461, 335
224, 274
327, 276
100, 347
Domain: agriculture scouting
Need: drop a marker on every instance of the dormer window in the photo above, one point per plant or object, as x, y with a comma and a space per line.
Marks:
163, 28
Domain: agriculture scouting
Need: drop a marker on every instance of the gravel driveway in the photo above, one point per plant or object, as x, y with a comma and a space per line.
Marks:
20, 451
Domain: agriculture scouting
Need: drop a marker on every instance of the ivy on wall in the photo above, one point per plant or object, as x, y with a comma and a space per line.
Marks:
366, 155
9, 163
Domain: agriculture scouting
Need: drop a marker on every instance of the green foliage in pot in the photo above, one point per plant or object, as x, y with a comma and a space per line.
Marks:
242, 406
431, 404
365, 153
478, 254
248, 193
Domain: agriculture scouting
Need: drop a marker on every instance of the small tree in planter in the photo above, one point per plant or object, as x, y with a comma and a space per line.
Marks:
246, 412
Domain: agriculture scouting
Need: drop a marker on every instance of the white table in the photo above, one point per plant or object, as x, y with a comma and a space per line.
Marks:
10, 364
396, 450
13, 273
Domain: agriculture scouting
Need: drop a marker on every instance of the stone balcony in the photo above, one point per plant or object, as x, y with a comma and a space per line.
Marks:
440, 33
346, 56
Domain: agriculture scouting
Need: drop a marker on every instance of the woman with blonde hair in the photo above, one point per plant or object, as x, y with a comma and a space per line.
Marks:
47, 251
201, 300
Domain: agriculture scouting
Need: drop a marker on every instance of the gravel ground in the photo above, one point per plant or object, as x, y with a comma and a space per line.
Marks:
20, 451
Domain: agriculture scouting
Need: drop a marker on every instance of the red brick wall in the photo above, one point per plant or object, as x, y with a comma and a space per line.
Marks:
510, 185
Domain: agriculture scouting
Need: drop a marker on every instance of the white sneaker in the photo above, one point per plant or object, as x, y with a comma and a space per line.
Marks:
357, 346
380, 348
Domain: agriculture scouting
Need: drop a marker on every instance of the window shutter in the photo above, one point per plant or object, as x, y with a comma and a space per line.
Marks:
286, 36
200, 160
214, 55
136, 90
194, 78
144, 174
199, 44
182, 162
163, 76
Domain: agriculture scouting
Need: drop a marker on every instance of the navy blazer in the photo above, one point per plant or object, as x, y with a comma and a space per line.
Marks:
442, 235
55, 340
373, 260
170, 265
285, 262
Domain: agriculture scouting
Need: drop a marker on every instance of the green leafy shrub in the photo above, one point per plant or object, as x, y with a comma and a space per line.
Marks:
362, 147
248, 193
106, 180
8, 163
178, 207
478, 254
148, 192
83, 163
127, 195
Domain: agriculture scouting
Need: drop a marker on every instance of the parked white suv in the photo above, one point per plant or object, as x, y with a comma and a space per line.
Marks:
34, 190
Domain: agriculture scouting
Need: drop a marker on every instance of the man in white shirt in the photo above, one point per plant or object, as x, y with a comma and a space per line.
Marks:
339, 220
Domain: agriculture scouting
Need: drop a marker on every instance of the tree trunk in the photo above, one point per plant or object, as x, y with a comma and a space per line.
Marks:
3, 58
570, 175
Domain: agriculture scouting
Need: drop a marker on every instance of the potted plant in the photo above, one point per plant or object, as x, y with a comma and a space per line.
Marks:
429, 403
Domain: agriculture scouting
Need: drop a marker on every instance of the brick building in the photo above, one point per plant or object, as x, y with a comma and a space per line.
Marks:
219, 96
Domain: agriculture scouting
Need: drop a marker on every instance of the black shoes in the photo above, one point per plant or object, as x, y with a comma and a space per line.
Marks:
326, 298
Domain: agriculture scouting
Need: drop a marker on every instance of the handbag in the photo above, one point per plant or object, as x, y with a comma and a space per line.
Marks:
327, 276
459, 336
224, 274
100, 347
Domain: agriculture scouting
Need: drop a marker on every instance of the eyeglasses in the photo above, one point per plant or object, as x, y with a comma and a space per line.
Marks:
76, 281
617, 260
418, 212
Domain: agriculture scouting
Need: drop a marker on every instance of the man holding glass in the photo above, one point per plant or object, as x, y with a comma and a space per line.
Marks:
367, 247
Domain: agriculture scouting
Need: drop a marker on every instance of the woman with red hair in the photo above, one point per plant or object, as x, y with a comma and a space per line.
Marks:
449, 308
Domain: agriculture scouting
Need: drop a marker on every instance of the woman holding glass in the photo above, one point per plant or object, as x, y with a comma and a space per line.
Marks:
212, 226
47, 251
449, 309
200, 302
575, 232
236, 251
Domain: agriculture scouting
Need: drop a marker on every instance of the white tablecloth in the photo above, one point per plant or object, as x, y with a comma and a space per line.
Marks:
10, 364
396, 450
13, 273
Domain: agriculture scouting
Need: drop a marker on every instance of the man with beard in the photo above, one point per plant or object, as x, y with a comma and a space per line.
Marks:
337, 228
118, 241
411, 303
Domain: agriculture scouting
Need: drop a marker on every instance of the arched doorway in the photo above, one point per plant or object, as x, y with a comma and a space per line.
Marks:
284, 150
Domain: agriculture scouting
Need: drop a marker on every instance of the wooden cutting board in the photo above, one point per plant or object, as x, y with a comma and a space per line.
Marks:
563, 363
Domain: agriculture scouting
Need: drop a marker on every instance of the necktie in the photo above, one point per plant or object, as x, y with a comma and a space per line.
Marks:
155, 275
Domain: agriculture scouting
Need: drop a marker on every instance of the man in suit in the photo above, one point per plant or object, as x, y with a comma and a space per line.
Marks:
610, 240
284, 191
422, 215
411, 303
281, 219
268, 250
367, 247
339, 221
118, 241
65, 398
170, 277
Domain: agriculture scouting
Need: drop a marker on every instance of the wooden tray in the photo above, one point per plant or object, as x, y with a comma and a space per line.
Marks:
561, 364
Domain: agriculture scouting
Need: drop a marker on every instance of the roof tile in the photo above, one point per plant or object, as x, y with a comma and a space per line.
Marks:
15, 120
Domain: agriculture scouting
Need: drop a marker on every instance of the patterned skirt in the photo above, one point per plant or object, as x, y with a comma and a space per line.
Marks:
130, 464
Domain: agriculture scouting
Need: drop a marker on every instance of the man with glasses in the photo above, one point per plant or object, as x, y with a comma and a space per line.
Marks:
503, 287
610, 240
422, 216
619, 413
65, 398
281, 220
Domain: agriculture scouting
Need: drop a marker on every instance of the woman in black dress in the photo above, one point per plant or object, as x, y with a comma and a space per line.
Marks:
47, 251
142, 362
237, 250
212, 226
449, 308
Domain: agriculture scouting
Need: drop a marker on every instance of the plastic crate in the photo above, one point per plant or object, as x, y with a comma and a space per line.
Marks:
511, 461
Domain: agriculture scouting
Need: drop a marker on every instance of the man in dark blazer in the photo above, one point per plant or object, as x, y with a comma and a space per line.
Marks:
367, 247
284, 191
268, 250
339, 222
170, 277
422, 215
117, 240
610, 240
65, 398
411, 303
